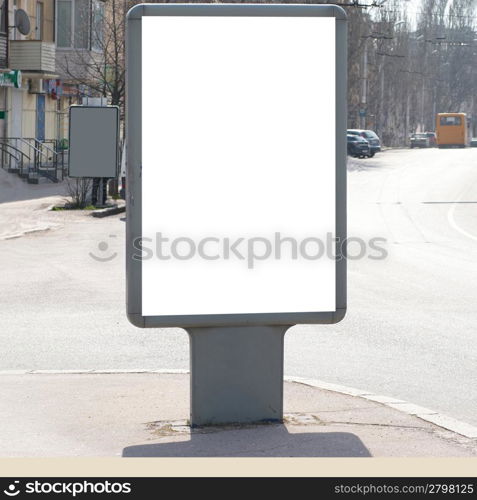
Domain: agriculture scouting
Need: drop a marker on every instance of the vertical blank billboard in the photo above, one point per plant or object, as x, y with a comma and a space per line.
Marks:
93, 141
236, 164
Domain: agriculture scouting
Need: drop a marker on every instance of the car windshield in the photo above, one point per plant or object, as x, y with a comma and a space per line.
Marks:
420, 136
370, 134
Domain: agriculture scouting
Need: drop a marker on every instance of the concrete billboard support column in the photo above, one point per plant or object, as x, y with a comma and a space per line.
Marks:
236, 374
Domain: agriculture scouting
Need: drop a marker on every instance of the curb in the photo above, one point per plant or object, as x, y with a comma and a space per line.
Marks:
33, 230
431, 416
92, 372
105, 212
27, 232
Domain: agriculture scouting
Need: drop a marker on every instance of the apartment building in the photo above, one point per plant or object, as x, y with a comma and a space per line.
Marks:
39, 40
79, 34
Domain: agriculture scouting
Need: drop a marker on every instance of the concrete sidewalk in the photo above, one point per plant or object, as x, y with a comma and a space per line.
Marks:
145, 415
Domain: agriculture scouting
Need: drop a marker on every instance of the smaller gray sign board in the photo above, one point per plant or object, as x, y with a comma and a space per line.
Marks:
93, 141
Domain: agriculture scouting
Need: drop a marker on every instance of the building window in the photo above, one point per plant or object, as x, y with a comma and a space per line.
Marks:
81, 20
3, 16
64, 21
97, 26
79, 24
39, 21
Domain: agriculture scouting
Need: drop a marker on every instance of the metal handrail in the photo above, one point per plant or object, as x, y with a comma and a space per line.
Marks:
18, 159
6, 151
13, 147
31, 149
27, 143
42, 157
55, 155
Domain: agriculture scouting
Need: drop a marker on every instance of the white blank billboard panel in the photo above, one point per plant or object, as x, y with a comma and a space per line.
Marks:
238, 142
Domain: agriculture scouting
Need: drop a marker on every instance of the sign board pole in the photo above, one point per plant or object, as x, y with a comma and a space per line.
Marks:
209, 154
236, 374
102, 201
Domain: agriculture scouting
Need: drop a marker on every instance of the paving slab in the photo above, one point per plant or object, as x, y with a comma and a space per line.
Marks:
146, 415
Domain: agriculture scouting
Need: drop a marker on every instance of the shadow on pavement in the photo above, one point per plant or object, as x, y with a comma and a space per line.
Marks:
13, 189
274, 441
362, 164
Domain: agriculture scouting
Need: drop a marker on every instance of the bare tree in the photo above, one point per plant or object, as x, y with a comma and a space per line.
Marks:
418, 64
78, 190
403, 66
103, 69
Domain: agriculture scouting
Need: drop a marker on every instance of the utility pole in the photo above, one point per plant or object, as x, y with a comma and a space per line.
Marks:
364, 87
423, 95
381, 120
408, 110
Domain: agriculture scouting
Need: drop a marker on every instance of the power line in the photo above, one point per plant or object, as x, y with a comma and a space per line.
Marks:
433, 14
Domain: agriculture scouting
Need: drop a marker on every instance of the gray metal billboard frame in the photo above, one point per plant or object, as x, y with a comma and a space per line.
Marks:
100, 156
236, 360
134, 163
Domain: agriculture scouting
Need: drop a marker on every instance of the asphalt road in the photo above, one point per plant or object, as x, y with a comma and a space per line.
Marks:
411, 322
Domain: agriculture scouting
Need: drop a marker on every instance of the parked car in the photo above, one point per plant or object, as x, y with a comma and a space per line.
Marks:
419, 141
358, 147
371, 137
473, 142
432, 139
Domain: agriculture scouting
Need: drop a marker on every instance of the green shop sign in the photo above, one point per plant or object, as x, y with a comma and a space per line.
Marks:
11, 79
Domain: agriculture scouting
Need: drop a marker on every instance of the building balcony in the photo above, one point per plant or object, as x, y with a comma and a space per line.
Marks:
35, 58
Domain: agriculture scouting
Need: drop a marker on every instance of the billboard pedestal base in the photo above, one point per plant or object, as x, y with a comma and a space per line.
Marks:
236, 374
